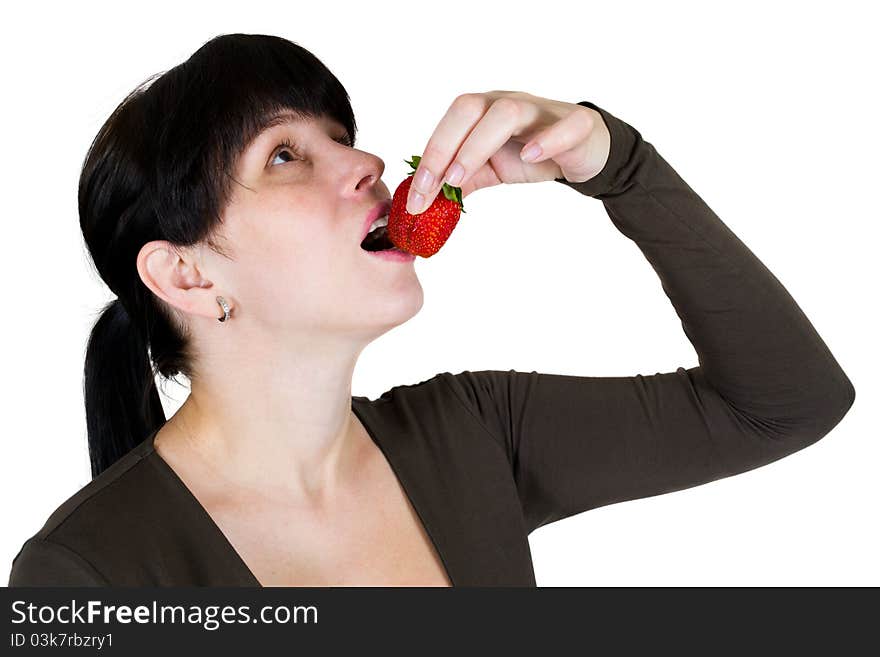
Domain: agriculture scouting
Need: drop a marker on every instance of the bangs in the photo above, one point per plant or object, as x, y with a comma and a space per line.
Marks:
228, 92
251, 83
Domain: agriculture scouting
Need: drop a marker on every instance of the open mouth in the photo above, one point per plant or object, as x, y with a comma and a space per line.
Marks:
377, 239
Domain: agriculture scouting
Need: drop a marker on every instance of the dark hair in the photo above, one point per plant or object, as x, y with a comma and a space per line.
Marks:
161, 168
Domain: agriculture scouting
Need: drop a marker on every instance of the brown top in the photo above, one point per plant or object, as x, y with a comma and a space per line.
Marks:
487, 457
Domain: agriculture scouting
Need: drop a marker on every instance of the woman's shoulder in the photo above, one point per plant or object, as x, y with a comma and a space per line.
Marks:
64, 549
112, 490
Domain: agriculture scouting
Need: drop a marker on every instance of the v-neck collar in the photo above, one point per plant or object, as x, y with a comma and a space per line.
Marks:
245, 572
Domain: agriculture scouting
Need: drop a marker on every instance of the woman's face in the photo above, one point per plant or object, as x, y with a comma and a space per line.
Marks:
294, 228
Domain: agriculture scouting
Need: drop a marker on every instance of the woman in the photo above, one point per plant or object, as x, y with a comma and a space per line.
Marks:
230, 189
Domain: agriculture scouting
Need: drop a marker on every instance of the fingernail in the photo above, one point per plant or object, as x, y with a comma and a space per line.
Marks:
455, 174
415, 202
424, 179
531, 153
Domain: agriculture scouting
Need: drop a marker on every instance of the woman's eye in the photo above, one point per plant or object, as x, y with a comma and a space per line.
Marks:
287, 148
283, 151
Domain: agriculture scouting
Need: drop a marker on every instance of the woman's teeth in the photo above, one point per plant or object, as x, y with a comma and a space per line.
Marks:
381, 221
377, 237
377, 240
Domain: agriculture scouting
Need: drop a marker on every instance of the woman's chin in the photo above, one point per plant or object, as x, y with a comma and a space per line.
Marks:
399, 305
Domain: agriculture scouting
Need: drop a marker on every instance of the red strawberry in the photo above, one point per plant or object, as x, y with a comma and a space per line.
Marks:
423, 234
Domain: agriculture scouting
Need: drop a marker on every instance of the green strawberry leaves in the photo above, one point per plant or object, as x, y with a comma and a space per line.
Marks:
453, 194
450, 192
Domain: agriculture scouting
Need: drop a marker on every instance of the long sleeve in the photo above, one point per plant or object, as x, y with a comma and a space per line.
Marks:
766, 385
44, 563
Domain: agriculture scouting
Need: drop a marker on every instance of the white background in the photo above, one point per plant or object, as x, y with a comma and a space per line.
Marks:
768, 110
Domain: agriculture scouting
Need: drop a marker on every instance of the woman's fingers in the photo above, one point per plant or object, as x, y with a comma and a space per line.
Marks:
473, 129
485, 176
477, 144
462, 115
567, 141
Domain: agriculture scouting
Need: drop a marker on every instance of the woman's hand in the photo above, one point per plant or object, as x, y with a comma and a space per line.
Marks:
479, 140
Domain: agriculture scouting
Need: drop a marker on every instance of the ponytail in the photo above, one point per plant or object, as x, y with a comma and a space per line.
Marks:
121, 398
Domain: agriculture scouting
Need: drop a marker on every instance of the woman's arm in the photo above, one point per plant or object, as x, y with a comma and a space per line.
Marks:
766, 386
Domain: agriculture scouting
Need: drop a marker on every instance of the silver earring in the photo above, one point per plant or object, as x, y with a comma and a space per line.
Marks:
225, 307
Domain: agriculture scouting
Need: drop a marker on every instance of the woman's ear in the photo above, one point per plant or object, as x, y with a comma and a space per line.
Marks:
172, 274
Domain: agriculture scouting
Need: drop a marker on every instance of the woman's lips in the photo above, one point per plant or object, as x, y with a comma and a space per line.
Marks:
381, 208
393, 255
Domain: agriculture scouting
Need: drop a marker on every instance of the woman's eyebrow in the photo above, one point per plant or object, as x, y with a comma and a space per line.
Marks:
287, 117
279, 119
